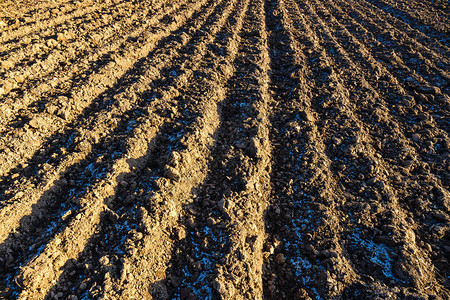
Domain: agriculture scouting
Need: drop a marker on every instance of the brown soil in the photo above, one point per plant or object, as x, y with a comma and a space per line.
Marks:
231, 149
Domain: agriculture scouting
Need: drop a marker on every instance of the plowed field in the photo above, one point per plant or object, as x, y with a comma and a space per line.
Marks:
226, 149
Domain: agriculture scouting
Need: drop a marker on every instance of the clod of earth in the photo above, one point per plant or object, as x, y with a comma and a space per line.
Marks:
199, 149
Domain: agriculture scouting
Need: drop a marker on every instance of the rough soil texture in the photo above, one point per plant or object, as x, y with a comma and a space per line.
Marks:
230, 149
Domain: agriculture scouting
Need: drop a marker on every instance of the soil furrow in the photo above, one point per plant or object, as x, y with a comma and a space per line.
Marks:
363, 95
388, 100
23, 142
181, 81
130, 107
14, 16
407, 60
411, 258
59, 48
87, 139
52, 80
165, 205
13, 51
303, 254
211, 261
382, 65
405, 56
12, 36
350, 62
365, 90
172, 201
37, 275
391, 28
426, 22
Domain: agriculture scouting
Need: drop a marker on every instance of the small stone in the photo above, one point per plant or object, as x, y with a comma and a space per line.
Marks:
422, 117
407, 162
66, 215
408, 101
307, 116
371, 181
172, 173
35, 123
328, 69
138, 236
52, 43
180, 233
7, 64
216, 285
440, 216
19, 78
83, 286
310, 248
124, 183
26, 40
61, 37
416, 137
176, 282
240, 145
96, 38
221, 205
104, 260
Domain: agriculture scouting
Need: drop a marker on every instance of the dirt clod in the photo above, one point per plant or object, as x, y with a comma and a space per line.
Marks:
231, 149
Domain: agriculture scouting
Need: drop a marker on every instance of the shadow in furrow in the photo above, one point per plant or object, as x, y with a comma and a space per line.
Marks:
70, 137
59, 204
35, 56
411, 21
117, 225
280, 278
196, 258
27, 33
79, 79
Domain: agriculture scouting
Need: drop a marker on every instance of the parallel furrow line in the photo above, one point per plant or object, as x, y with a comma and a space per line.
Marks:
20, 72
419, 17
94, 207
403, 70
350, 65
37, 12
431, 49
24, 142
39, 79
423, 62
410, 254
10, 36
91, 134
304, 225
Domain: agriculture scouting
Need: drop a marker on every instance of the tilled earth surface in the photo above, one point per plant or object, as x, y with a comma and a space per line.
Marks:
229, 149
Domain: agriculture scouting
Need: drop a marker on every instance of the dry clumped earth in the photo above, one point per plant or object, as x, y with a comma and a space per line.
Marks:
230, 149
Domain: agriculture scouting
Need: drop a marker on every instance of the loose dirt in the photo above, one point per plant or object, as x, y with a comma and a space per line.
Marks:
242, 149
